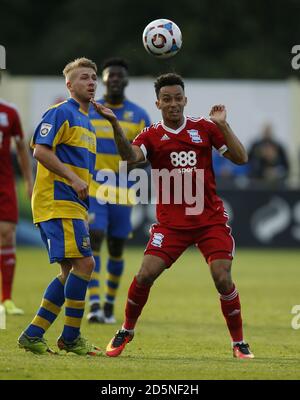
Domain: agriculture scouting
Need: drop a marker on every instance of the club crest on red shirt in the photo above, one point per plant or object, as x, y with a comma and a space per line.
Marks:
3, 119
194, 135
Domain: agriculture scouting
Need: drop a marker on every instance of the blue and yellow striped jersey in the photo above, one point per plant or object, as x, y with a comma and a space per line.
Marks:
68, 131
133, 119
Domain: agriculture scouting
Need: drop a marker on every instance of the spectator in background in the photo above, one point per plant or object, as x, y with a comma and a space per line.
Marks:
268, 162
229, 175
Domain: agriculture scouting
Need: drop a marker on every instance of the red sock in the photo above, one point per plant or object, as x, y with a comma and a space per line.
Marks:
137, 298
8, 264
231, 308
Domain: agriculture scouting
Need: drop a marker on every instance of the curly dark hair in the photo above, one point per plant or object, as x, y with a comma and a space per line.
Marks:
169, 79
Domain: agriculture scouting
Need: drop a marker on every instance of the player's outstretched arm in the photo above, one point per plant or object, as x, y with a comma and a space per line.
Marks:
49, 160
128, 152
236, 151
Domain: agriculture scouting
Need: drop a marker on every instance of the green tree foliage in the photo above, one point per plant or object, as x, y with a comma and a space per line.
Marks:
222, 39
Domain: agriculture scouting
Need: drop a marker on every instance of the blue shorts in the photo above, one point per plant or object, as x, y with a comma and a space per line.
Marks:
113, 219
65, 238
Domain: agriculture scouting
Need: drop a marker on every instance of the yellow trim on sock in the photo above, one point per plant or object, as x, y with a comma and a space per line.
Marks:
93, 290
95, 275
73, 322
49, 306
78, 304
113, 278
41, 322
111, 291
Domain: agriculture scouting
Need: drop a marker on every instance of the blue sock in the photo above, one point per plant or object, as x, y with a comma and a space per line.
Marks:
94, 284
115, 267
75, 291
52, 302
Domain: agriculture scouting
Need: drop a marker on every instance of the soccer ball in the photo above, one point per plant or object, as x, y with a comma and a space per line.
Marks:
162, 38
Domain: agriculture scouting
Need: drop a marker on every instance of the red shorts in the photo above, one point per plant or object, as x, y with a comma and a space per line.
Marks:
8, 204
215, 242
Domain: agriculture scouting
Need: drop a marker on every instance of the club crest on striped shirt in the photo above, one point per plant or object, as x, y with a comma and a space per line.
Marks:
86, 243
45, 129
128, 115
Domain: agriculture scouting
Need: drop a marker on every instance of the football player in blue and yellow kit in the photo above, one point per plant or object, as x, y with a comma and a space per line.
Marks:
65, 146
111, 219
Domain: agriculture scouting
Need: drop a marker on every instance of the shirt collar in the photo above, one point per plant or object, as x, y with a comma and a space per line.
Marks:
176, 131
114, 106
73, 101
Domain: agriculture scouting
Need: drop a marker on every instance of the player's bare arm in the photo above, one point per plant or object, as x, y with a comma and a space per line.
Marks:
25, 164
236, 151
49, 160
127, 151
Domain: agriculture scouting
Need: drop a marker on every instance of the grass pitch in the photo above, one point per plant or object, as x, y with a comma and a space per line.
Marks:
182, 333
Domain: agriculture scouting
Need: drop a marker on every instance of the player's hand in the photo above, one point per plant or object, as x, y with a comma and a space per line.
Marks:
80, 187
105, 112
218, 114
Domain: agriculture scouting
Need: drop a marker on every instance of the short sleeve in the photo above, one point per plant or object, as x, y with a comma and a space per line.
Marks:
50, 128
146, 119
17, 130
217, 137
144, 142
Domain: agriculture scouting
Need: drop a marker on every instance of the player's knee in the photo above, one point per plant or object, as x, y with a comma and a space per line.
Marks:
90, 265
8, 237
145, 278
84, 265
221, 273
151, 268
96, 238
115, 246
223, 281
223, 285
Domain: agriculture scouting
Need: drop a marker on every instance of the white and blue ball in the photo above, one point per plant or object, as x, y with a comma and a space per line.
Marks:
162, 38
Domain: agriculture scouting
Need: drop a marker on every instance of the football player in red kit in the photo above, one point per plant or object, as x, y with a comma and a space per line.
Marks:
10, 127
183, 146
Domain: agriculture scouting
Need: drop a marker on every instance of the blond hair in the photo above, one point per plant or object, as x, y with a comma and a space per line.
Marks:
79, 63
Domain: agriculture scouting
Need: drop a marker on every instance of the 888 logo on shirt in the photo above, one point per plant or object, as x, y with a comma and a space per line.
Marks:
186, 159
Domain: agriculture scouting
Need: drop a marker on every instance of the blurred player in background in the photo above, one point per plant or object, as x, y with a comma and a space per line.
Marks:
183, 145
65, 148
111, 219
10, 128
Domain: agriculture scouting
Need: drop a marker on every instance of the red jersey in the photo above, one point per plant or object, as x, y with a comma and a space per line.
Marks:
10, 126
186, 150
